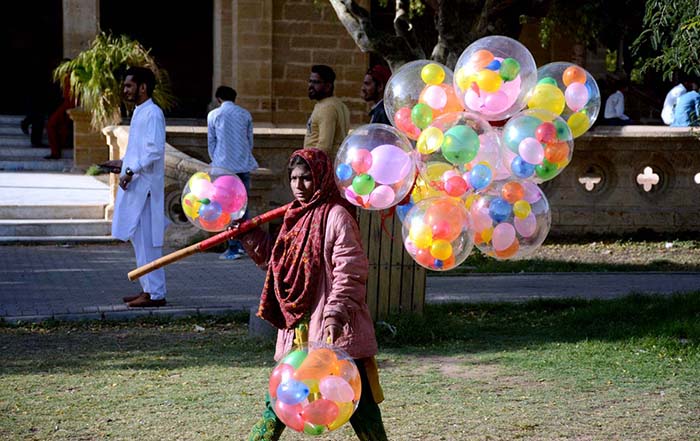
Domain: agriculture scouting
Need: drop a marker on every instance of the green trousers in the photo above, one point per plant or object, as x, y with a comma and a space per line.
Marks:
366, 421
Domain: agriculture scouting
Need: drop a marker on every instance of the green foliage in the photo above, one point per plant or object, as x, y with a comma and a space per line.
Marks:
96, 74
670, 38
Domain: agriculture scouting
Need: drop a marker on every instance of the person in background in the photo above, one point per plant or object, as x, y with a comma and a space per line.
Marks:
686, 113
614, 114
316, 283
329, 122
373, 92
59, 124
230, 144
686, 83
139, 210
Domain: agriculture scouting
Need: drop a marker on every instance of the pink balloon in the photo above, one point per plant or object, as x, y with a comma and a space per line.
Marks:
361, 160
202, 189
489, 150
532, 192
390, 164
496, 102
481, 220
230, 193
503, 236
382, 197
526, 227
354, 198
290, 414
410, 247
320, 412
435, 97
576, 96
336, 389
281, 373
531, 150
449, 174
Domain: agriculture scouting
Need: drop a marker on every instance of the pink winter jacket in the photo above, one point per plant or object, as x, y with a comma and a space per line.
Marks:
341, 294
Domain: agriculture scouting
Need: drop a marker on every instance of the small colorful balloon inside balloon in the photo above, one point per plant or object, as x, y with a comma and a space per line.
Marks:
213, 199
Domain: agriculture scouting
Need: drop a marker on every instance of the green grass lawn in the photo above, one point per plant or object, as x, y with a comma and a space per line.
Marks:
625, 369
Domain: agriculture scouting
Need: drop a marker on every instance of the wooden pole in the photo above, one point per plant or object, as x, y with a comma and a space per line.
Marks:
244, 227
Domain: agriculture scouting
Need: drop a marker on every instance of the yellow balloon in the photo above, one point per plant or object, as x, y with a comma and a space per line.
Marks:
432, 74
198, 175
522, 209
345, 410
490, 81
578, 123
421, 235
487, 234
470, 200
190, 205
464, 78
441, 249
547, 97
435, 170
430, 140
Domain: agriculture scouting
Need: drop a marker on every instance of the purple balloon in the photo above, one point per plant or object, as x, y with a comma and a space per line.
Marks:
576, 96
390, 164
382, 197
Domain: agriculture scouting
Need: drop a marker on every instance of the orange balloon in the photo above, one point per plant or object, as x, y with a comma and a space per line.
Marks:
317, 364
349, 373
556, 152
512, 192
449, 263
573, 74
449, 215
453, 104
480, 59
508, 252
218, 224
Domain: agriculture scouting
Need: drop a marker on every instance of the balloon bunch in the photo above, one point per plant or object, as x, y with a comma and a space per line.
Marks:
213, 199
315, 388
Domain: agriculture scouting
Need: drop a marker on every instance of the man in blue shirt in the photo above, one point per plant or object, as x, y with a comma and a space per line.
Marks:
686, 113
230, 144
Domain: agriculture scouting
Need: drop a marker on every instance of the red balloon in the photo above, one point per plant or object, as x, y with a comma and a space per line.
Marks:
424, 257
290, 414
546, 132
455, 186
320, 412
403, 122
281, 373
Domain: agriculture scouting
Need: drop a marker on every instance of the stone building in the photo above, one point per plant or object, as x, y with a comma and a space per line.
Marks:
262, 48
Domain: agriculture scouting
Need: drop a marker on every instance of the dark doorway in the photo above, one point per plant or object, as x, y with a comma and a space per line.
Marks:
179, 35
32, 42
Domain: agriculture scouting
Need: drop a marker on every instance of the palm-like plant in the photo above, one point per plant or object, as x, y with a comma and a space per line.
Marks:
96, 76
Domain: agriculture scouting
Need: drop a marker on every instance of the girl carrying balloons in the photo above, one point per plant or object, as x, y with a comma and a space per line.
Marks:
316, 274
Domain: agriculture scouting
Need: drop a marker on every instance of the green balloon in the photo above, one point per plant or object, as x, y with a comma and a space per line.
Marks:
421, 115
313, 429
546, 170
295, 358
548, 80
563, 130
363, 184
461, 145
510, 68
205, 201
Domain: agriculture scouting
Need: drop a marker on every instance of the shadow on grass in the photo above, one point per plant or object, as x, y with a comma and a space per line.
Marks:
443, 329
478, 263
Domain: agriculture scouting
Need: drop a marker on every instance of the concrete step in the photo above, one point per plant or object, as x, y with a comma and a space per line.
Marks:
52, 212
55, 227
11, 130
31, 240
20, 140
11, 120
28, 153
46, 165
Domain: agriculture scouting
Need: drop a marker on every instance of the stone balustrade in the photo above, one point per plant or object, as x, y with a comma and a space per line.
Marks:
622, 180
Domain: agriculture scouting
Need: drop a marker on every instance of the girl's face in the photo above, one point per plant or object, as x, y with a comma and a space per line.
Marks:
302, 183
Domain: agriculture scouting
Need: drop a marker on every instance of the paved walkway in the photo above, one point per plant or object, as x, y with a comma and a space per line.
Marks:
88, 281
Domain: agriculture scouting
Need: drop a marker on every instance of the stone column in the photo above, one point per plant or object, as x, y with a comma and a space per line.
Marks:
81, 23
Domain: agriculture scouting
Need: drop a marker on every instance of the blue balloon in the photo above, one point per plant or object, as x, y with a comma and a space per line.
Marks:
500, 209
343, 172
292, 391
494, 65
480, 176
521, 168
402, 210
518, 129
211, 211
438, 264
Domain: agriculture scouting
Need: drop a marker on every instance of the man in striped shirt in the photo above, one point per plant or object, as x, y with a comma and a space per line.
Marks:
230, 143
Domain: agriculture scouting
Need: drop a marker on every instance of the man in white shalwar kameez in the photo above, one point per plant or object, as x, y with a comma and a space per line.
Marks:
139, 211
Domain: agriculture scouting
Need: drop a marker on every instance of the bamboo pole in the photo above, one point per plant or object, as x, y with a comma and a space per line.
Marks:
244, 227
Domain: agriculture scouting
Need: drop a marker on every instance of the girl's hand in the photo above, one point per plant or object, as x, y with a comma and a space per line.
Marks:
331, 333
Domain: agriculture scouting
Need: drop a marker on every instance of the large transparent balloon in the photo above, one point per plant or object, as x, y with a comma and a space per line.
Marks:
493, 77
213, 199
315, 388
375, 166
417, 93
459, 153
510, 219
538, 145
436, 233
569, 91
